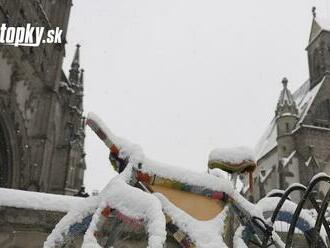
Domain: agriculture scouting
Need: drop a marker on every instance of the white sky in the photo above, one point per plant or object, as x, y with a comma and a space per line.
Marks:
181, 77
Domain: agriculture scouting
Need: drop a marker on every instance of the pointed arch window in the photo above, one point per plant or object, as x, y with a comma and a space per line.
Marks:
5, 158
287, 127
316, 63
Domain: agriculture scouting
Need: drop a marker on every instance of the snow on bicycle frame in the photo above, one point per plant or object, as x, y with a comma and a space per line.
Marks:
200, 197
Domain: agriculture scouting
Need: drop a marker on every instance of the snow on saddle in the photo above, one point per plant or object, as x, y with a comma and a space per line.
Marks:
236, 160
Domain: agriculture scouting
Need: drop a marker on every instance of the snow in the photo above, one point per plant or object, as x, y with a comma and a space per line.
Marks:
137, 204
37, 201
217, 172
245, 189
316, 127
296, 184
67, 87
234, 155
152, 167
278, 240
275, 191
127, 149
301, 92
89, 238
286, 161
130, 201
75, 215
321, 174
306, 102
269, 204
238, 241
264, 177
288, 114
216, 183
308, 161
205, 234
76, 109
268, 140
134, 203
284, 227
324, 23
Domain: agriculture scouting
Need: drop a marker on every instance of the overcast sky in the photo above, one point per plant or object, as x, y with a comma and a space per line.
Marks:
181, 77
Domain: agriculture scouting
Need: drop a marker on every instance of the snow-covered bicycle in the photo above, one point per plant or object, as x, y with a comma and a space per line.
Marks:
150, 204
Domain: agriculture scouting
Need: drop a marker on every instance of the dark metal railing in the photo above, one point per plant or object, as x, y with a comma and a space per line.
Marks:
307, 195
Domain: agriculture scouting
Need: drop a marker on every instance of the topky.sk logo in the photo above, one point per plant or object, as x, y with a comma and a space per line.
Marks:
29, 35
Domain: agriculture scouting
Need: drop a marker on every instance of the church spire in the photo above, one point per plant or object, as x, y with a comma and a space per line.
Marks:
286, 120
286, 103
318, 49
75, 62
74, 71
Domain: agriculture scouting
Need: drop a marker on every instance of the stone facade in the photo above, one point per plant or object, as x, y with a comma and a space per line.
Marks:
26, 227
296, 145
41, 121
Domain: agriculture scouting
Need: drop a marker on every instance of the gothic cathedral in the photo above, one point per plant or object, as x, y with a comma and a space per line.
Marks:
41, 111
296, 144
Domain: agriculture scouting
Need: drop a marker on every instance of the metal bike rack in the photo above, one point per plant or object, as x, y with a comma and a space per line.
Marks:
285, 196
313, 182
320, 219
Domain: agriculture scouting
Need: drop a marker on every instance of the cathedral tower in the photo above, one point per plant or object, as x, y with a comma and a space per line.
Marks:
41, 131
286, 118
318, 49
